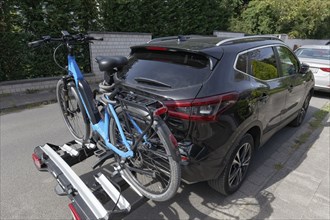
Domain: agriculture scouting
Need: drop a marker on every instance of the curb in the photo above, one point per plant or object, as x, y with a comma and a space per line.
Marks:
19, 101
26, 85
15, 106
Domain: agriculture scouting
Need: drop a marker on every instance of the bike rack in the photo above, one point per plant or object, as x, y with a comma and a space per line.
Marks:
98, 194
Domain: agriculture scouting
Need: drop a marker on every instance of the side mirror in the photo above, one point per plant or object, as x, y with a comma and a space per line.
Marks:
304, 68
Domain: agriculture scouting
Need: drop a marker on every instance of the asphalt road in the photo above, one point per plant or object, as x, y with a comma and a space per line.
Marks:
28, 194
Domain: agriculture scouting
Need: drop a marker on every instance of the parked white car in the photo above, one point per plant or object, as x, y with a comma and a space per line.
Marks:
318, 59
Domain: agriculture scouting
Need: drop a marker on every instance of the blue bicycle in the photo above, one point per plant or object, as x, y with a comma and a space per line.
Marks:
120, 123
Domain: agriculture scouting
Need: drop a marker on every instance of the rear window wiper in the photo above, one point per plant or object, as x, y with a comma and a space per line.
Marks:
151, 82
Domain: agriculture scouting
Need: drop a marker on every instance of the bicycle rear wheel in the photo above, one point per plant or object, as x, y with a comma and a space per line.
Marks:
74, 115
155, 169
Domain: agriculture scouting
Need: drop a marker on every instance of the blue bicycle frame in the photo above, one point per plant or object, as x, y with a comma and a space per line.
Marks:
102, 126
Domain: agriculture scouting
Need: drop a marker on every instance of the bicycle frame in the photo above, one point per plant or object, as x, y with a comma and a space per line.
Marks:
102, 126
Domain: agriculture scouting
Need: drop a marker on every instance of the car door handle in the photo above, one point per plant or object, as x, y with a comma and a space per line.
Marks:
290, 88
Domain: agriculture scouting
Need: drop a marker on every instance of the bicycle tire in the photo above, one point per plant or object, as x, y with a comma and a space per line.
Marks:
75, 116
167, 177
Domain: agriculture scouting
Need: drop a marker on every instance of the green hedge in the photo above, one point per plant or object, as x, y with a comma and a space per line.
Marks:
13, 56
18, 61
25, 20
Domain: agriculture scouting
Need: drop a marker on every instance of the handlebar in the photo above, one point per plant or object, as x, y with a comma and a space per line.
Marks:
36, 43
66, 38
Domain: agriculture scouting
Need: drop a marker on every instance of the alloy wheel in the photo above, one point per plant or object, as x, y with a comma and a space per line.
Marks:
239, 165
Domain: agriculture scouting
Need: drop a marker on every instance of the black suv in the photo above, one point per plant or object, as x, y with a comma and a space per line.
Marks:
226, 98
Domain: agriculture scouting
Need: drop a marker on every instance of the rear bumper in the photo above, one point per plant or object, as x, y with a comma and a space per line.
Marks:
322, 88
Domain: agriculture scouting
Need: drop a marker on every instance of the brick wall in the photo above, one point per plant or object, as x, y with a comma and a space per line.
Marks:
114, 43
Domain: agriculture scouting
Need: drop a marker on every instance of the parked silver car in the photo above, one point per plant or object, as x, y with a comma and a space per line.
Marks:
318, 58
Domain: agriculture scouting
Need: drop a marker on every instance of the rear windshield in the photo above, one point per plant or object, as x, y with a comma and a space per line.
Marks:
313, 53
166, 69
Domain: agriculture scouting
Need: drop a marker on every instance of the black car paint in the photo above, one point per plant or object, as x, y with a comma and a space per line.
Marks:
263, 106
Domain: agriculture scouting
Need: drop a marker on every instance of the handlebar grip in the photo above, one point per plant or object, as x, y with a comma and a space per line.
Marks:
36, 43
93, 38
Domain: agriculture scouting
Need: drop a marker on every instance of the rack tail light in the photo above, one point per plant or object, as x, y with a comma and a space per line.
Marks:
74, 212
37, 161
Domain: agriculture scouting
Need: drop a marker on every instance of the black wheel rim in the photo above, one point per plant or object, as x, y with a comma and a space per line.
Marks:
239, 165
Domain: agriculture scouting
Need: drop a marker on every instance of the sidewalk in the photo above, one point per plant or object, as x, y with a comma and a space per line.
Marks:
299, 189
15, 101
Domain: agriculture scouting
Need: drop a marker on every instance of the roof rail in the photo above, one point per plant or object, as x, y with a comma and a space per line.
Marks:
179, 38
254, 37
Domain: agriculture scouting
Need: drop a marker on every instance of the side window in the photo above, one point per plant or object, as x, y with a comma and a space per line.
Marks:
289, 64
263, 64
242, 63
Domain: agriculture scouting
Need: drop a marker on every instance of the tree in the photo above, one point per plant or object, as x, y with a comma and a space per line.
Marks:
299, 18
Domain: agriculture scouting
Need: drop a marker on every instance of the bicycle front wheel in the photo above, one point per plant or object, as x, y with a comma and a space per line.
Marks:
155, 169
73, 112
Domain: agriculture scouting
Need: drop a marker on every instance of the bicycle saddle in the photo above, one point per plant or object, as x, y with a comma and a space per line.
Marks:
108, 63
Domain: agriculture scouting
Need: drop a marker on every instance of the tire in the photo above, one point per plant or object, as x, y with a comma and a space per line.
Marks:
302, 112
159, 158
236, 169
75, 116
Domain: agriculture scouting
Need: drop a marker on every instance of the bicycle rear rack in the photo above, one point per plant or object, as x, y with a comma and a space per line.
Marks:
94, 195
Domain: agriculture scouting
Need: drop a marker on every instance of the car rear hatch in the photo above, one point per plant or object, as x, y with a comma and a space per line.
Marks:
167, 72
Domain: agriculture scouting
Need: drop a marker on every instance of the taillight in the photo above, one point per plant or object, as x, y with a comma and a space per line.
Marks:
201, 109
37, 161
325, 69
74, 212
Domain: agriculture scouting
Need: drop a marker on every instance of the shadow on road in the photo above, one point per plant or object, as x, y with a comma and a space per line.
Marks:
254, 198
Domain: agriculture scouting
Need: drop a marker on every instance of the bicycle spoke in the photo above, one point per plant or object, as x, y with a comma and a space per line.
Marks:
151, 168
72, 113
